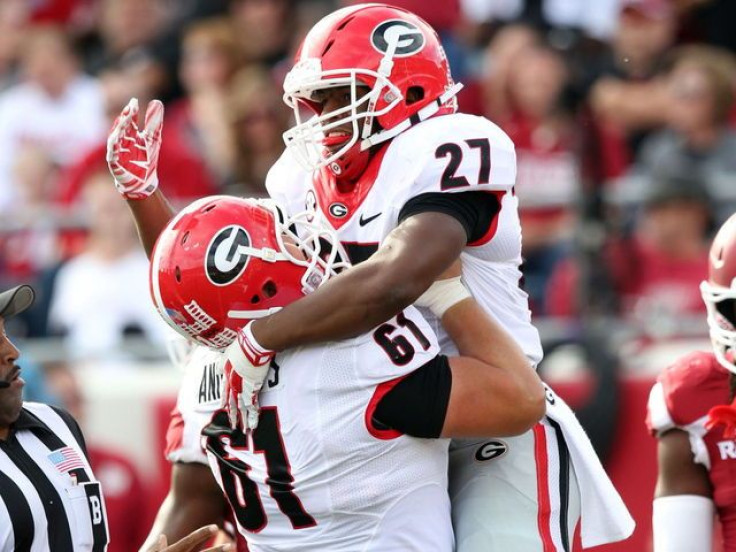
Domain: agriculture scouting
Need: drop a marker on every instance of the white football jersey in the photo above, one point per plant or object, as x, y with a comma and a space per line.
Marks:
199, 396
451, 153
316, 474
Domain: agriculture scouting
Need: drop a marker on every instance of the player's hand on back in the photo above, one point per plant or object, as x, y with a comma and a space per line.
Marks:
132, 154
246, 369
192, 542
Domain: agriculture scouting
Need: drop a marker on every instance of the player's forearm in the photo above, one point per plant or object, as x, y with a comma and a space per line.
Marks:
151, 216
408, 262
353, 303
481, 338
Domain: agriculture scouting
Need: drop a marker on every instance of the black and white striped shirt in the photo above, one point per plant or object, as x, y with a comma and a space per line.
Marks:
49, 498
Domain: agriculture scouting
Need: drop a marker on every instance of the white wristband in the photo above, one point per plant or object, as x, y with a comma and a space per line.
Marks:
442, 295
682, 523
256, 347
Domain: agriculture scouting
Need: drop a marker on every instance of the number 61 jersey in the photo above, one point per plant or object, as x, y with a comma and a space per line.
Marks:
316, 474
447, 154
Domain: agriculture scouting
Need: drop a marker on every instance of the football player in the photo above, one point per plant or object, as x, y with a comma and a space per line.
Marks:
410, 185
687, 413
330, 464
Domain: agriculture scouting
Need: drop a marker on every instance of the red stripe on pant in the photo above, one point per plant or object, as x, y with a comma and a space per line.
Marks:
544, 504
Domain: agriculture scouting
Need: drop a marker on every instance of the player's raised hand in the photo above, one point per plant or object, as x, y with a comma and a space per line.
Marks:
132, 154
246, 369
191, 542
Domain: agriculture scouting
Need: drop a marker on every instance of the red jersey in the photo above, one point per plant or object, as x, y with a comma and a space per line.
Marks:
681, 398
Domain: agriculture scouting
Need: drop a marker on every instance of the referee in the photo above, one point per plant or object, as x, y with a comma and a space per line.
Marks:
49, 498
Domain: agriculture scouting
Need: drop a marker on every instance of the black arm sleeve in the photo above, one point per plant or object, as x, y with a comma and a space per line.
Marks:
417, 405
476, 211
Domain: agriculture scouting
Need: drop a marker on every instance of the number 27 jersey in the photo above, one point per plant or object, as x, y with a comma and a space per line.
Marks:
446, 154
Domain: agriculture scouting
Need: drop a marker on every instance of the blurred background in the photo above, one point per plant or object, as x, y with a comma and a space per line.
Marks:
623, 116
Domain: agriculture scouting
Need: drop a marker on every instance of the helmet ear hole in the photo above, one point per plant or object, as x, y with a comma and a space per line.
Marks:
414, 94
255, 300
269, 289
177, 274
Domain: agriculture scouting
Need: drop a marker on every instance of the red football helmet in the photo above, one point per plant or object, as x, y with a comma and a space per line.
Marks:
719, 294
223, 261
389, 50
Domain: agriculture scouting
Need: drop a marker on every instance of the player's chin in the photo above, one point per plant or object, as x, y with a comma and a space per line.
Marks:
11, 400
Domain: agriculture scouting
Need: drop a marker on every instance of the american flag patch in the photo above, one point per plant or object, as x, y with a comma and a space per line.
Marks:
66, 459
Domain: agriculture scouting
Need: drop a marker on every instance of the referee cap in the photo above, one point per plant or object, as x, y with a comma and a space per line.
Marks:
16, 300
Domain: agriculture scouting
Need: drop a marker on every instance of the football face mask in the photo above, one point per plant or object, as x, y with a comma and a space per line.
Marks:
719, 294
223, 261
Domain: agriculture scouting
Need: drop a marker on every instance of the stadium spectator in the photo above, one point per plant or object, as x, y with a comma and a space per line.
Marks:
101, 295
29, 243
697, 137
258, 122
498, 60
594, 18
656, 271
666, 259
13, 22
264, 29
199, 120
627, 95
125, 26
547, 166
56, 108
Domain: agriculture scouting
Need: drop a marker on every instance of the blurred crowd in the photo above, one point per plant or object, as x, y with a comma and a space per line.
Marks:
622, 112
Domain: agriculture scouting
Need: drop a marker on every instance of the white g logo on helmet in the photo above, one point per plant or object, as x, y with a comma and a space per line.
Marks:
407, 37
227, 255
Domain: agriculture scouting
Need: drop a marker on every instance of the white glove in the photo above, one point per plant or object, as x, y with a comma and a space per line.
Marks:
246, 369
132, 155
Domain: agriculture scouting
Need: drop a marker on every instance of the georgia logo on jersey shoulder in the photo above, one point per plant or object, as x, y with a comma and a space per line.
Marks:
227, 255
490, 450
409, 39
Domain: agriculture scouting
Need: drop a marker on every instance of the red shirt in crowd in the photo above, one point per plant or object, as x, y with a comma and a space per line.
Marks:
129, 513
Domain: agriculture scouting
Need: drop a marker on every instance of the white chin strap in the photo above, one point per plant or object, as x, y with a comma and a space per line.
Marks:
422, 115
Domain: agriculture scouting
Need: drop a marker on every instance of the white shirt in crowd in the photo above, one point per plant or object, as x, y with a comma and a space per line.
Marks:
65, 127
93, 301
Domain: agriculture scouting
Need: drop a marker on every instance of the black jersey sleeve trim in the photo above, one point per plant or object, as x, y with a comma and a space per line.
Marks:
417, 404
476, 211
